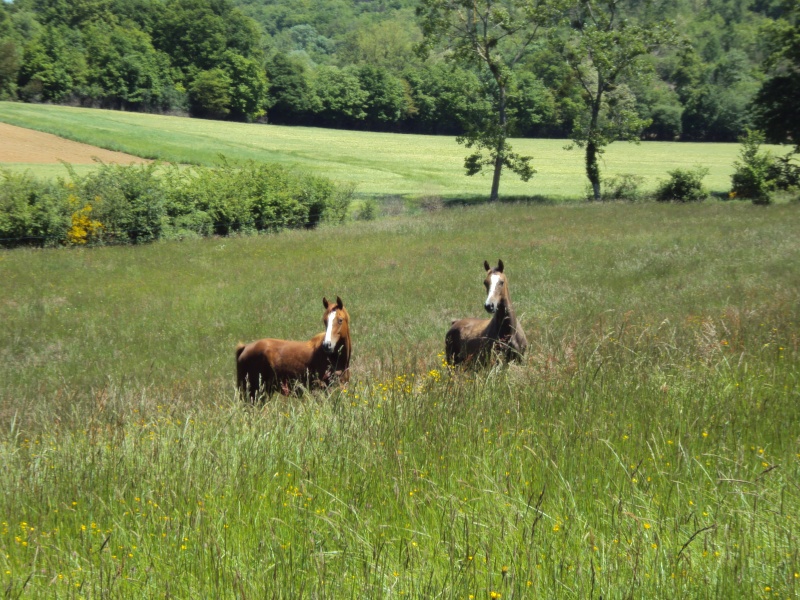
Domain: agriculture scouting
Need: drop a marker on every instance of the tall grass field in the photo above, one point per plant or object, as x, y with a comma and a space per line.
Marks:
648, 445
379, 164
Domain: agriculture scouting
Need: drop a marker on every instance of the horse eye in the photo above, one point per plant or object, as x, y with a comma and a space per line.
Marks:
341, 321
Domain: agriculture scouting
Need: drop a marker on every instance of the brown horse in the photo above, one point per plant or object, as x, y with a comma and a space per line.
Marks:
277, 365
476, 339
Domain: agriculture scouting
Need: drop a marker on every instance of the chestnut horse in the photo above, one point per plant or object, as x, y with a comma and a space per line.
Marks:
277, 365
476, 339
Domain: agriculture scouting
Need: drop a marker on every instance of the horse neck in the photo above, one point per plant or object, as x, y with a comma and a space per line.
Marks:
505, 318
342, 349
316, 344
344, 342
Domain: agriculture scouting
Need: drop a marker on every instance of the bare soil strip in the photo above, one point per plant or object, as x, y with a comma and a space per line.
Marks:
20, 145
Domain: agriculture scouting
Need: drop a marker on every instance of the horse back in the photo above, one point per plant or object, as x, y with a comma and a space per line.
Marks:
465, 338
283, 357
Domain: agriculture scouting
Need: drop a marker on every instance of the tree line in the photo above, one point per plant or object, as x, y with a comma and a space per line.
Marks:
357, 64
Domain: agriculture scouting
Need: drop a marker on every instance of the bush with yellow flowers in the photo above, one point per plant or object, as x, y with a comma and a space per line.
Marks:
84, 229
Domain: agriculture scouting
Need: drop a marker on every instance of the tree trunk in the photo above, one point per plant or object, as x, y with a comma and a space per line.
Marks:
498, 168
592, 149
501, 142
593, 169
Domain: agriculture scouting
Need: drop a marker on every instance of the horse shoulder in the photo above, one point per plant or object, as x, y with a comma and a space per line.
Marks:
295, 356
312, 355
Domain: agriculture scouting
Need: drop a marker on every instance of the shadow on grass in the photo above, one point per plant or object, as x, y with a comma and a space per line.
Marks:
478, 200
368, 207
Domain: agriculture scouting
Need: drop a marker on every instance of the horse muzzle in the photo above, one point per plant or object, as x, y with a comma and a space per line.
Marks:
328, 347
490, 307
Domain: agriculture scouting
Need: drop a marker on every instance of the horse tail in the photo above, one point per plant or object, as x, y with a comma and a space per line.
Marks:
450, 350
241, 370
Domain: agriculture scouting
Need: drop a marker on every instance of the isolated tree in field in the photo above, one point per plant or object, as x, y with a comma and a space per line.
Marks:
604, 51
491, 35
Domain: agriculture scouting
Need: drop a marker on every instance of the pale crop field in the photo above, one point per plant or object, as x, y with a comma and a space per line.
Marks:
377, 163
648, 446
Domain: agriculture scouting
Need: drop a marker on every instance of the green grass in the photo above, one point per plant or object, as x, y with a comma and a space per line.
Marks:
647, 447
379, 164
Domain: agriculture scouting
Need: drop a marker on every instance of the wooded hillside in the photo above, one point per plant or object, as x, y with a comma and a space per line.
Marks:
358, 65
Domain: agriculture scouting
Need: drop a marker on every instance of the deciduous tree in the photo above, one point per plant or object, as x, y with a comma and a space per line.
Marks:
210, 94
604, 51
342, 99
492, 36
248, 92
291, 99
775, 104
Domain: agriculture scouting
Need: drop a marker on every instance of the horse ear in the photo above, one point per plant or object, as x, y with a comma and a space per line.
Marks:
339, 302
324, 302
486, 265
499, 268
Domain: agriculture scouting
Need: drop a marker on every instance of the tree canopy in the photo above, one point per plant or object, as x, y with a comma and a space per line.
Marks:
606, 54
775, 104
340, 63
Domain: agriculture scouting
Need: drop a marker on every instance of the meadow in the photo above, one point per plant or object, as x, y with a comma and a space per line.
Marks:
647, 447
378, 164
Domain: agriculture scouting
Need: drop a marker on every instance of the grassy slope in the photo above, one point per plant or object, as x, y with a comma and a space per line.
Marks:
647, 447
377, 163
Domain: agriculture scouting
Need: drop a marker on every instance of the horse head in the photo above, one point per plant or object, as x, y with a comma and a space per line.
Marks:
337, 325
496, 287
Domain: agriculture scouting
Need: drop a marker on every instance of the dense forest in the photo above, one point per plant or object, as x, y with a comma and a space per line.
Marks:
362, 64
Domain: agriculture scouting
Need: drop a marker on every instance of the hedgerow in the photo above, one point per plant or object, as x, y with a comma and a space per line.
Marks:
141, 203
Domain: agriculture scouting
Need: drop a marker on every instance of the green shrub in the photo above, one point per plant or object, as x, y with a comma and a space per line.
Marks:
214, 192
785, 172
625, 186
32, 211
754, 174
129, 201
338, 206
259, 197
368, 210
141, 203
683, 185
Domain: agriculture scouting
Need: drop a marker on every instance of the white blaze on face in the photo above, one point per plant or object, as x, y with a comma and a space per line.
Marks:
495, 279
329, 331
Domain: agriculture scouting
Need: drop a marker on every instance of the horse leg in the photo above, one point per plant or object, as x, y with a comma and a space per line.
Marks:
253, 381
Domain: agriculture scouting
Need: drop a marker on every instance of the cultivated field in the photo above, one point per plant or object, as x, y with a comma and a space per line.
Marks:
379, 164
647, 447
27, 146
